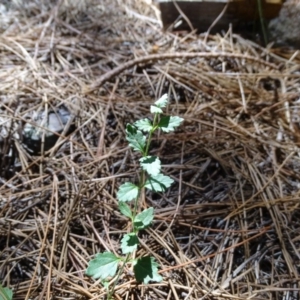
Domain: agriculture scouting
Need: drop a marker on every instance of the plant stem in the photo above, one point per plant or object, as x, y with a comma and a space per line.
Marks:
112, 290
262, 21
141, 184
143, 173
154, 126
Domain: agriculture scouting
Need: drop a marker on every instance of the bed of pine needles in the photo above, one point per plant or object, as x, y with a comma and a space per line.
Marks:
229, 226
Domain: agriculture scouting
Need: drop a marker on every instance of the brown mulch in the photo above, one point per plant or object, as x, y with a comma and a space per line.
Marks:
228, 228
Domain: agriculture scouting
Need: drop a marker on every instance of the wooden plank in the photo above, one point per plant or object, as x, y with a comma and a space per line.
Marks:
225, 1
203, 13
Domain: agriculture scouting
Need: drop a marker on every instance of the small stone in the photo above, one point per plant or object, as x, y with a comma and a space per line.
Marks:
48, 126
285, 29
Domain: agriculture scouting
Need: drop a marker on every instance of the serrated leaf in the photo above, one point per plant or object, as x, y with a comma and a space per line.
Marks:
135, 138
125, 209
103, 265
143, 219
158, 183
5, 293
144, 125
162, 101
145, 270
129, 243
151, 164
155, 110
127, 192
169, 123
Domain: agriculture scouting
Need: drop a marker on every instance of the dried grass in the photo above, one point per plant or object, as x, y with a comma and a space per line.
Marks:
229, 227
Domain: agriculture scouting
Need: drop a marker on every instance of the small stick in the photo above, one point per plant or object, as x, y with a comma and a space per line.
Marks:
156, 57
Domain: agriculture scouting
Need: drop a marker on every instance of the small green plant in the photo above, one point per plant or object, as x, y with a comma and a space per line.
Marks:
107, 265
5, 293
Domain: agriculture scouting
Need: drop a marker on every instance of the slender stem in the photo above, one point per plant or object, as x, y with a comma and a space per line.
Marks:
262, 22
112, 290
143, 173
141, 184
154, 127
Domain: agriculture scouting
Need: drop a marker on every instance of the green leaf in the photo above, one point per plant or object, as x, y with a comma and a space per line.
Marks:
151, 164
145, 270
168, 123
5, 293
144, 125
125, 209
162, 101
143, 219
135, 138
158, 183
127, 192
103, 265
155, 110
129, 243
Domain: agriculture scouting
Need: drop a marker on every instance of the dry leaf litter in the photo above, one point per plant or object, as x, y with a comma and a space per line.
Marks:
229, 226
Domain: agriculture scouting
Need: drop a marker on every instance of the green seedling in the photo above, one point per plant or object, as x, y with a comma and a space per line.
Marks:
107, 265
